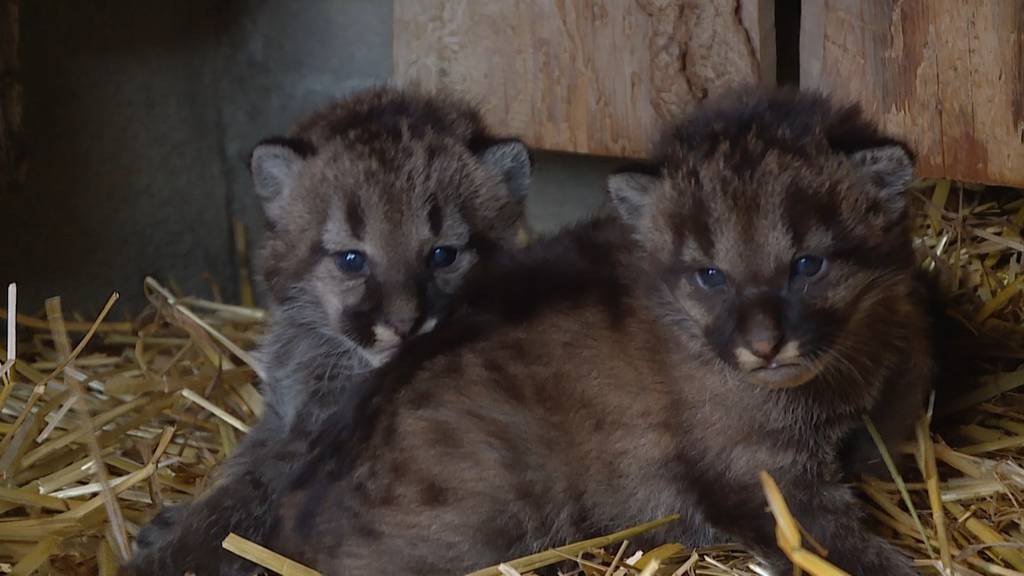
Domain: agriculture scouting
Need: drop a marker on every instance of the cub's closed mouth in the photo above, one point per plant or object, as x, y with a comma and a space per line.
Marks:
778, 367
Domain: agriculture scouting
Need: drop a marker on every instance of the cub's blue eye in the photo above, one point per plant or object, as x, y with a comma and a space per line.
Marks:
808, 266
442, 257
351, 261
710, 277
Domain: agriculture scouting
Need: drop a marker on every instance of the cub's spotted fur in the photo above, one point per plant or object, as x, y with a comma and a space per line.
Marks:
768, 302
379, 207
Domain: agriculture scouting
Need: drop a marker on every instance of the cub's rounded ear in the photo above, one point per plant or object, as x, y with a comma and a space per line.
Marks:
630, 191
886, 163
274, 164
889, 169
511, 160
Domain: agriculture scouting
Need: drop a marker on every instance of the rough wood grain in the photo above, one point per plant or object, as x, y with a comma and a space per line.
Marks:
947, 75
590, 76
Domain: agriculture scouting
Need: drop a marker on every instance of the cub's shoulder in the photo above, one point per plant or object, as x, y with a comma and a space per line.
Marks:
581, 264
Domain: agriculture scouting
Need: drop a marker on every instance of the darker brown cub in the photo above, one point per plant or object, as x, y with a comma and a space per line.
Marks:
765, 302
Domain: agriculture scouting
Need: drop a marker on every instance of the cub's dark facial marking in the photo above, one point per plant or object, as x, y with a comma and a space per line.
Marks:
435, 216
380, 207
355, 219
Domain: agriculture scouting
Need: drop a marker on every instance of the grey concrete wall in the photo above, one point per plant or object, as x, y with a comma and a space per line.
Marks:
140, 115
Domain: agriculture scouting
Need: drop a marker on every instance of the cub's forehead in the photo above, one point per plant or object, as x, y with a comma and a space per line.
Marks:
745, 210
410, 192
410, 172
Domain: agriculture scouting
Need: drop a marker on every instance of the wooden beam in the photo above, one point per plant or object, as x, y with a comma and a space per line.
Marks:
590, 76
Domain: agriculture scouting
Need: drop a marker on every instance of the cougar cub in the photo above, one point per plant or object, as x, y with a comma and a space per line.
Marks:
767, 303
378, 207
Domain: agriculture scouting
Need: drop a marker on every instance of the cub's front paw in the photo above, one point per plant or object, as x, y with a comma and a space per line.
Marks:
159, 530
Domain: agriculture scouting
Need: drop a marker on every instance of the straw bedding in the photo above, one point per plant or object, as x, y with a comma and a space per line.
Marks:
104, 421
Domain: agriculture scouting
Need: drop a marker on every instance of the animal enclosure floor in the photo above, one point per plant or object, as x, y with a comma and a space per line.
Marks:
102, 422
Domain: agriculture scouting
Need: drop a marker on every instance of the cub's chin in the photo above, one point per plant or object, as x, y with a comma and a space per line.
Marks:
790, 375
377, 356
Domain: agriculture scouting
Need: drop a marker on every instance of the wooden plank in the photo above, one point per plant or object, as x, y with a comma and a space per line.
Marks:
589, 76
946, 75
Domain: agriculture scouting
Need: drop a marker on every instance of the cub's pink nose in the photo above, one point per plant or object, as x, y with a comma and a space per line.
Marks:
763, 338
765, 348
402, 325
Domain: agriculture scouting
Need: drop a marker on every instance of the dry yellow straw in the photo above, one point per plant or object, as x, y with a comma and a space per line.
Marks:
617, 558
939, 197
541, 559
105, 558
73, 326
231, 346
248, 314
124, 483
41, 385
1000, 547
55, 316
898, 479
266, 558
1000, 300
215, 410
929, 469
27, 497
34, 559
788, 533
659, 554
650, 568
12, 342
688, 565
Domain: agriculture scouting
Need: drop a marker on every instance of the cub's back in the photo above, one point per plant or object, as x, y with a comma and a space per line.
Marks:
503, 400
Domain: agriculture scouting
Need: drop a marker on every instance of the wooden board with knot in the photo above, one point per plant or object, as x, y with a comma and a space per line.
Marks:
588, 76
946, 75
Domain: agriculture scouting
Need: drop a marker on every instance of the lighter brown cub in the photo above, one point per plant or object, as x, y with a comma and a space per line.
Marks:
379, 208
378, 226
